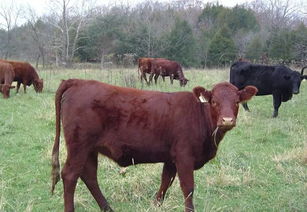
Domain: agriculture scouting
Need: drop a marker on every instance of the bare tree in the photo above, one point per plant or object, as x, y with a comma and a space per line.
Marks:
9, 15
37, 35
276, 13
68, 18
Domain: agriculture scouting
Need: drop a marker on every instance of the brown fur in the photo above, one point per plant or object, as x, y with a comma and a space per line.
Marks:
26, 74
6, 78
133, 126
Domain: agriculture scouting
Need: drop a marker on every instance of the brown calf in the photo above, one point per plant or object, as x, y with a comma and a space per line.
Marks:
133, 126
6, 78
25, 74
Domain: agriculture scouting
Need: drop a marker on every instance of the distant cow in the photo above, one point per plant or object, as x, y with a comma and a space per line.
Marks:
278, 80
163, 67
25, 74
144, 66
6, 78
133, 126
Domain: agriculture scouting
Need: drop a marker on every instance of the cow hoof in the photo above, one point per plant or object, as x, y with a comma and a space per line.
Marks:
123, 171
158, 202
108, 209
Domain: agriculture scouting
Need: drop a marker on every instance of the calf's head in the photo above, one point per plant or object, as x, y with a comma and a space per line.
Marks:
224, 101
38, 85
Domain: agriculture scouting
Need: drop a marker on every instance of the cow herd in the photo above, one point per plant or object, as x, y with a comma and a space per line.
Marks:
182, 130
21, 72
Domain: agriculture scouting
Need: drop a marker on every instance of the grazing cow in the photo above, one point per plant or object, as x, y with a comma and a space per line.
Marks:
26, 74
278, 80
164, 67
6, 78
133, 126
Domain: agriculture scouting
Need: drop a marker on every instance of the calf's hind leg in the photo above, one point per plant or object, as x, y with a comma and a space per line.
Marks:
77, 156
89, 177
70, 175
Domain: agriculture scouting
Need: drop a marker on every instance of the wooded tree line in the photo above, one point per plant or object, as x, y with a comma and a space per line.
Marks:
188, 31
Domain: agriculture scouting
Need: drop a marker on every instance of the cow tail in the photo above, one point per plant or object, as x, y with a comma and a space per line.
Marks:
55, 172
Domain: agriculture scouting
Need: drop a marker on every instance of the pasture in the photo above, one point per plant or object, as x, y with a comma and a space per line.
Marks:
261, 165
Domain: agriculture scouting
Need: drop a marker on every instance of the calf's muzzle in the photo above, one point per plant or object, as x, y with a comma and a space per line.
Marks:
227, 122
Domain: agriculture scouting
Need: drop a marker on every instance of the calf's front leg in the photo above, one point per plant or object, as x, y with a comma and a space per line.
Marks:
185, 173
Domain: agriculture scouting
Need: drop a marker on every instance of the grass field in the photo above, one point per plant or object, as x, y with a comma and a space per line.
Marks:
261, 165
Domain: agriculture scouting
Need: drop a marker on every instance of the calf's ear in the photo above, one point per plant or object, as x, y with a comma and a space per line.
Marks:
247, 93
202, 94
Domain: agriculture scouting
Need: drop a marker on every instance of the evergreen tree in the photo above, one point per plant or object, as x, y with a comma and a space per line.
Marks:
180, 44
102, 37
222, 48
281, 45
239, 19
255, 49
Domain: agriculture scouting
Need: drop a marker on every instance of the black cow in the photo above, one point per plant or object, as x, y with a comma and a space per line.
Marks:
278, 80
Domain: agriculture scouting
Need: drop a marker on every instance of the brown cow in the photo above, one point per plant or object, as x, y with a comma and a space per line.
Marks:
26, 74
134, 126
6, 78
164, 67
144, 66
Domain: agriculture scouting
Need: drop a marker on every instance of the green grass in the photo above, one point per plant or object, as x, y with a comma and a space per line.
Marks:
261, 164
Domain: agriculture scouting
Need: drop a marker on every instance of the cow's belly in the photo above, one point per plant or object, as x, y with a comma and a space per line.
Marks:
126, 155
263, 92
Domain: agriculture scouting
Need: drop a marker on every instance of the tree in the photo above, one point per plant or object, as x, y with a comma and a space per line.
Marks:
281, 45
9, 15
37, 27
180, 44
101, 36
210, 15
68, 20
255, 49
222, 48
300, 43
239, 18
